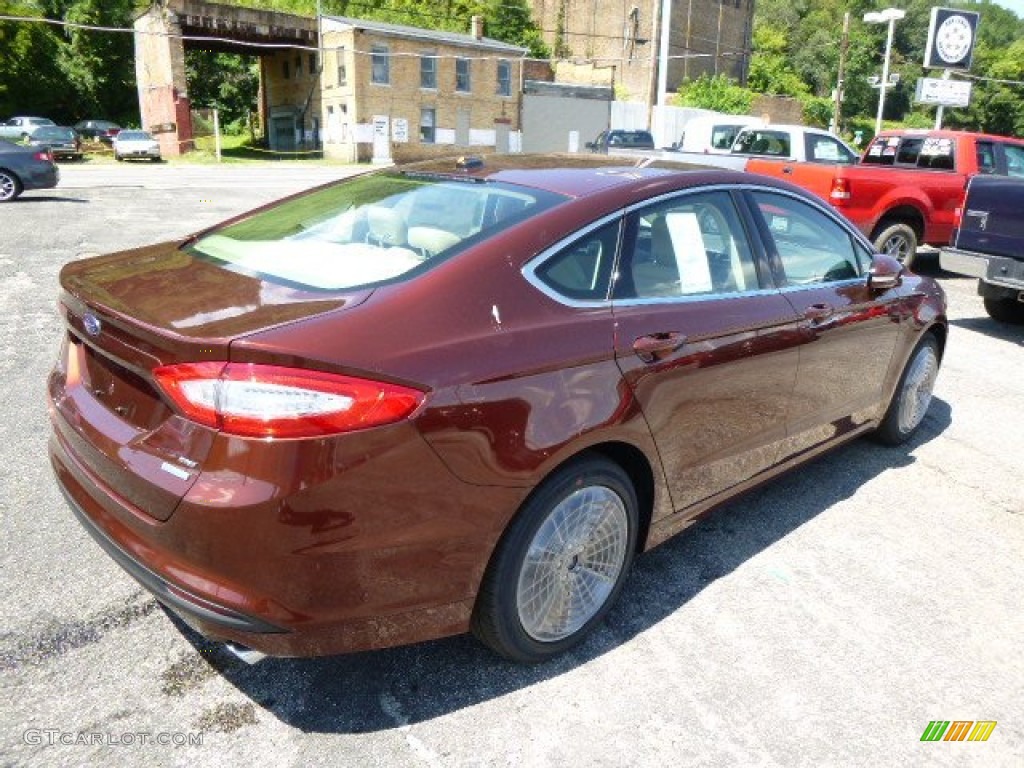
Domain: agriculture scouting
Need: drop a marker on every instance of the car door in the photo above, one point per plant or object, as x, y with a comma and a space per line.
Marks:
705, 342
848, 330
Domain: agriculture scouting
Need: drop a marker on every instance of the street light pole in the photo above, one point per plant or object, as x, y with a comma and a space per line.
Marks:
890, 15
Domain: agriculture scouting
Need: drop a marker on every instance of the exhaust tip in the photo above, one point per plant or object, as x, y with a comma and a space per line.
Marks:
248, 655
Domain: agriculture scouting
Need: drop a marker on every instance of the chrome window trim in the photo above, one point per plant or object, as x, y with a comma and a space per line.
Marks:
529, 269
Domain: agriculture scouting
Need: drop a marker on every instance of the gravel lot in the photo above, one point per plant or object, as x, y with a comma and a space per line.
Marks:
823, 620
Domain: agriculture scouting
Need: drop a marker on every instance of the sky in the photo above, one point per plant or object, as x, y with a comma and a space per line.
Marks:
1014, 5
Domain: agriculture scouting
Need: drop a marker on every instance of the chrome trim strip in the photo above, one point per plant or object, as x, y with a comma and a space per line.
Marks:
530, 268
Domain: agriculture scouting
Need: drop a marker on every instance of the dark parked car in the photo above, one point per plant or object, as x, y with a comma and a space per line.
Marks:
62, 141
458, 396
621, 140
102, 130
23, 168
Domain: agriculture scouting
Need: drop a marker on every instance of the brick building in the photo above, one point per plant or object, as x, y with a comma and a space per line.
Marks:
437, 90
617, 41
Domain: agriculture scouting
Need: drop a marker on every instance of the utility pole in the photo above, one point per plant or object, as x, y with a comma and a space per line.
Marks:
837, 113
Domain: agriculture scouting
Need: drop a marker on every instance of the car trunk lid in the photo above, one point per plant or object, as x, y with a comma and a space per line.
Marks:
129, 313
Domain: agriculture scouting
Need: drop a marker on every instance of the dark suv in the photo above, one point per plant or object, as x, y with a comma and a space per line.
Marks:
621, 140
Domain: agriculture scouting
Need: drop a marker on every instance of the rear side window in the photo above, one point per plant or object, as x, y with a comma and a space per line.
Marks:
693, 245
986, 154
369, 229
931, 153
937, 154
582, 271
763, 142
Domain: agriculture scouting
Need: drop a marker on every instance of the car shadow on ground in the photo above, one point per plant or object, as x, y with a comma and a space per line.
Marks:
990, 327
48, 199
396, 687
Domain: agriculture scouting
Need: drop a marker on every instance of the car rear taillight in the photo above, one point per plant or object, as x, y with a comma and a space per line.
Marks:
44, 156
958, 216
840, 192
272, 401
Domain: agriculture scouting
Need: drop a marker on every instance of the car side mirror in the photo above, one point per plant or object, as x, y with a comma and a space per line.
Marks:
590, 145
885, 274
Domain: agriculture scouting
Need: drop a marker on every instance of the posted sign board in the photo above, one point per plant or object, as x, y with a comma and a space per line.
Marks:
943, 93
951, 37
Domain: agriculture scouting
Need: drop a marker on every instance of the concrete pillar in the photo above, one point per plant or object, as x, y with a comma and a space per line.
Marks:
160, 74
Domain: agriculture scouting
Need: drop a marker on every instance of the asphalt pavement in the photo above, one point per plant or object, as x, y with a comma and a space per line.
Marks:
825, 619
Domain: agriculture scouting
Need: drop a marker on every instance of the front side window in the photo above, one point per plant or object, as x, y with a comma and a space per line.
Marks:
693, 245
428, 71
811, 247
380, 64
428, 117
504, 78
1014, 160
368, 230
462, 78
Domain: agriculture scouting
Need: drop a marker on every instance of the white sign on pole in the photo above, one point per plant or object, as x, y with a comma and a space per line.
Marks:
381, 139
946, 93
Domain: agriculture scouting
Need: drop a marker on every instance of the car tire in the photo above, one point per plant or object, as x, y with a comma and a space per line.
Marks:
898, 240
913, 394
560, 564
1005, 310
10, 187
118, 158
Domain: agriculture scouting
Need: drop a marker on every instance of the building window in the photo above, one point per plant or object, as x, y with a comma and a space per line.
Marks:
380, 64
286, 70
298, 64
504, 78
342, 72
428, 70
462, 81
427, 117
312, 63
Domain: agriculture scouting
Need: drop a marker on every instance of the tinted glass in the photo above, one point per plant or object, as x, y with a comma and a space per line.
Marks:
370, 229
691, 246
937, 154
763, 142
583, 270
811, 246
1014, 159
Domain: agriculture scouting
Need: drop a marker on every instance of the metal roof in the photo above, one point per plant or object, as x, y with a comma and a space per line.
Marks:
437, 36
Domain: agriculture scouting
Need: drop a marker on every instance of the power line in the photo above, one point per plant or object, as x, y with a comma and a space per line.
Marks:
730, 50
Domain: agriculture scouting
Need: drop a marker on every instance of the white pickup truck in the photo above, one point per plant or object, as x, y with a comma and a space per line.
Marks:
796, 143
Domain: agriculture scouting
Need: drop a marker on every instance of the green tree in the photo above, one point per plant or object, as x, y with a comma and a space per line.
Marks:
717, 92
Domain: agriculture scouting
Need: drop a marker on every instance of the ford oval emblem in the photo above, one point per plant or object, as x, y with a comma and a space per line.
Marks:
92, 324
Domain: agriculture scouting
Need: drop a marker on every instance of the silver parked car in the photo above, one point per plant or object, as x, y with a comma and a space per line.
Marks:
129, 144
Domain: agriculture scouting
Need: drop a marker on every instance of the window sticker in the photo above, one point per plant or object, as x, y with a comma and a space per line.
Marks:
690, 251
937, 148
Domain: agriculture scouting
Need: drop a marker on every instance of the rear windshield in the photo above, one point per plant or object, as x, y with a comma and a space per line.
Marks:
133, 136
370, 229
53, 133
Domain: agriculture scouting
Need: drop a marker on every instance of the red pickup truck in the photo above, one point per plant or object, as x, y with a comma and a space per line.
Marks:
908, 184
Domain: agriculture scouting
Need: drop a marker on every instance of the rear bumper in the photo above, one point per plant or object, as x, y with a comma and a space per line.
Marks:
40, 177
996, 270
290, 576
